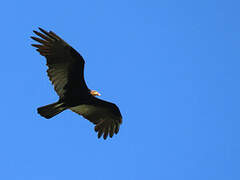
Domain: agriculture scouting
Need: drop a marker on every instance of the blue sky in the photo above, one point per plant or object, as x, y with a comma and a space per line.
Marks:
171, 66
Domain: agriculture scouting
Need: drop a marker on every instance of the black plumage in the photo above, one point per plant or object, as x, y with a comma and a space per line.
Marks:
66, 72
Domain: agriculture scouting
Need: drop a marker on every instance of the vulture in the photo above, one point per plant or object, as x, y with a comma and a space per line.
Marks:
66, 72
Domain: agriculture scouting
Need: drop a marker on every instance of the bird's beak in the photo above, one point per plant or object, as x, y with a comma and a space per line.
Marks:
95, 93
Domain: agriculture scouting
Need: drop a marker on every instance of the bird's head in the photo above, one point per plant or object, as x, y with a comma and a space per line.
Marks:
95, 93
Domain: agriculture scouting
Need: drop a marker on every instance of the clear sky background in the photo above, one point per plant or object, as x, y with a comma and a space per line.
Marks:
171, 66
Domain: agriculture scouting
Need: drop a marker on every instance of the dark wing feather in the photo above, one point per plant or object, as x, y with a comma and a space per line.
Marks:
65, 65
105, 115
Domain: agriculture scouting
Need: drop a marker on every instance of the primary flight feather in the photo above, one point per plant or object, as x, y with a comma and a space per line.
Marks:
66, 72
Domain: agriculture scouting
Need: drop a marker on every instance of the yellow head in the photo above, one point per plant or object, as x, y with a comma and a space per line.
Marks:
95, 93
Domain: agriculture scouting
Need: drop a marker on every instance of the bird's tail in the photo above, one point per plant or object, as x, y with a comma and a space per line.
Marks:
51, 110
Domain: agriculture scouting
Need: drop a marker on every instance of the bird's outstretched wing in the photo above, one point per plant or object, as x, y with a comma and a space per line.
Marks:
105, 115
65, 65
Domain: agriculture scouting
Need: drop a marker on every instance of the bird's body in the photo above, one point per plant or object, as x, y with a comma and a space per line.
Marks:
66, 72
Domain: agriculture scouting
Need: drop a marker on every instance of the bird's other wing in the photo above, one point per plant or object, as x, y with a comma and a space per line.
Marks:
105, 115
65, 65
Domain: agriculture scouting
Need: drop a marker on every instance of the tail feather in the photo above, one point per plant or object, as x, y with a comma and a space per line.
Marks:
51, 110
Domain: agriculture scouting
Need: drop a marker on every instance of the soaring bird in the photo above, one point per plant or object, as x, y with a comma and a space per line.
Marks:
66, 72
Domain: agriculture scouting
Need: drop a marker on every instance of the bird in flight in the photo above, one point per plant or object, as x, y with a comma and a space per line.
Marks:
66, 72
